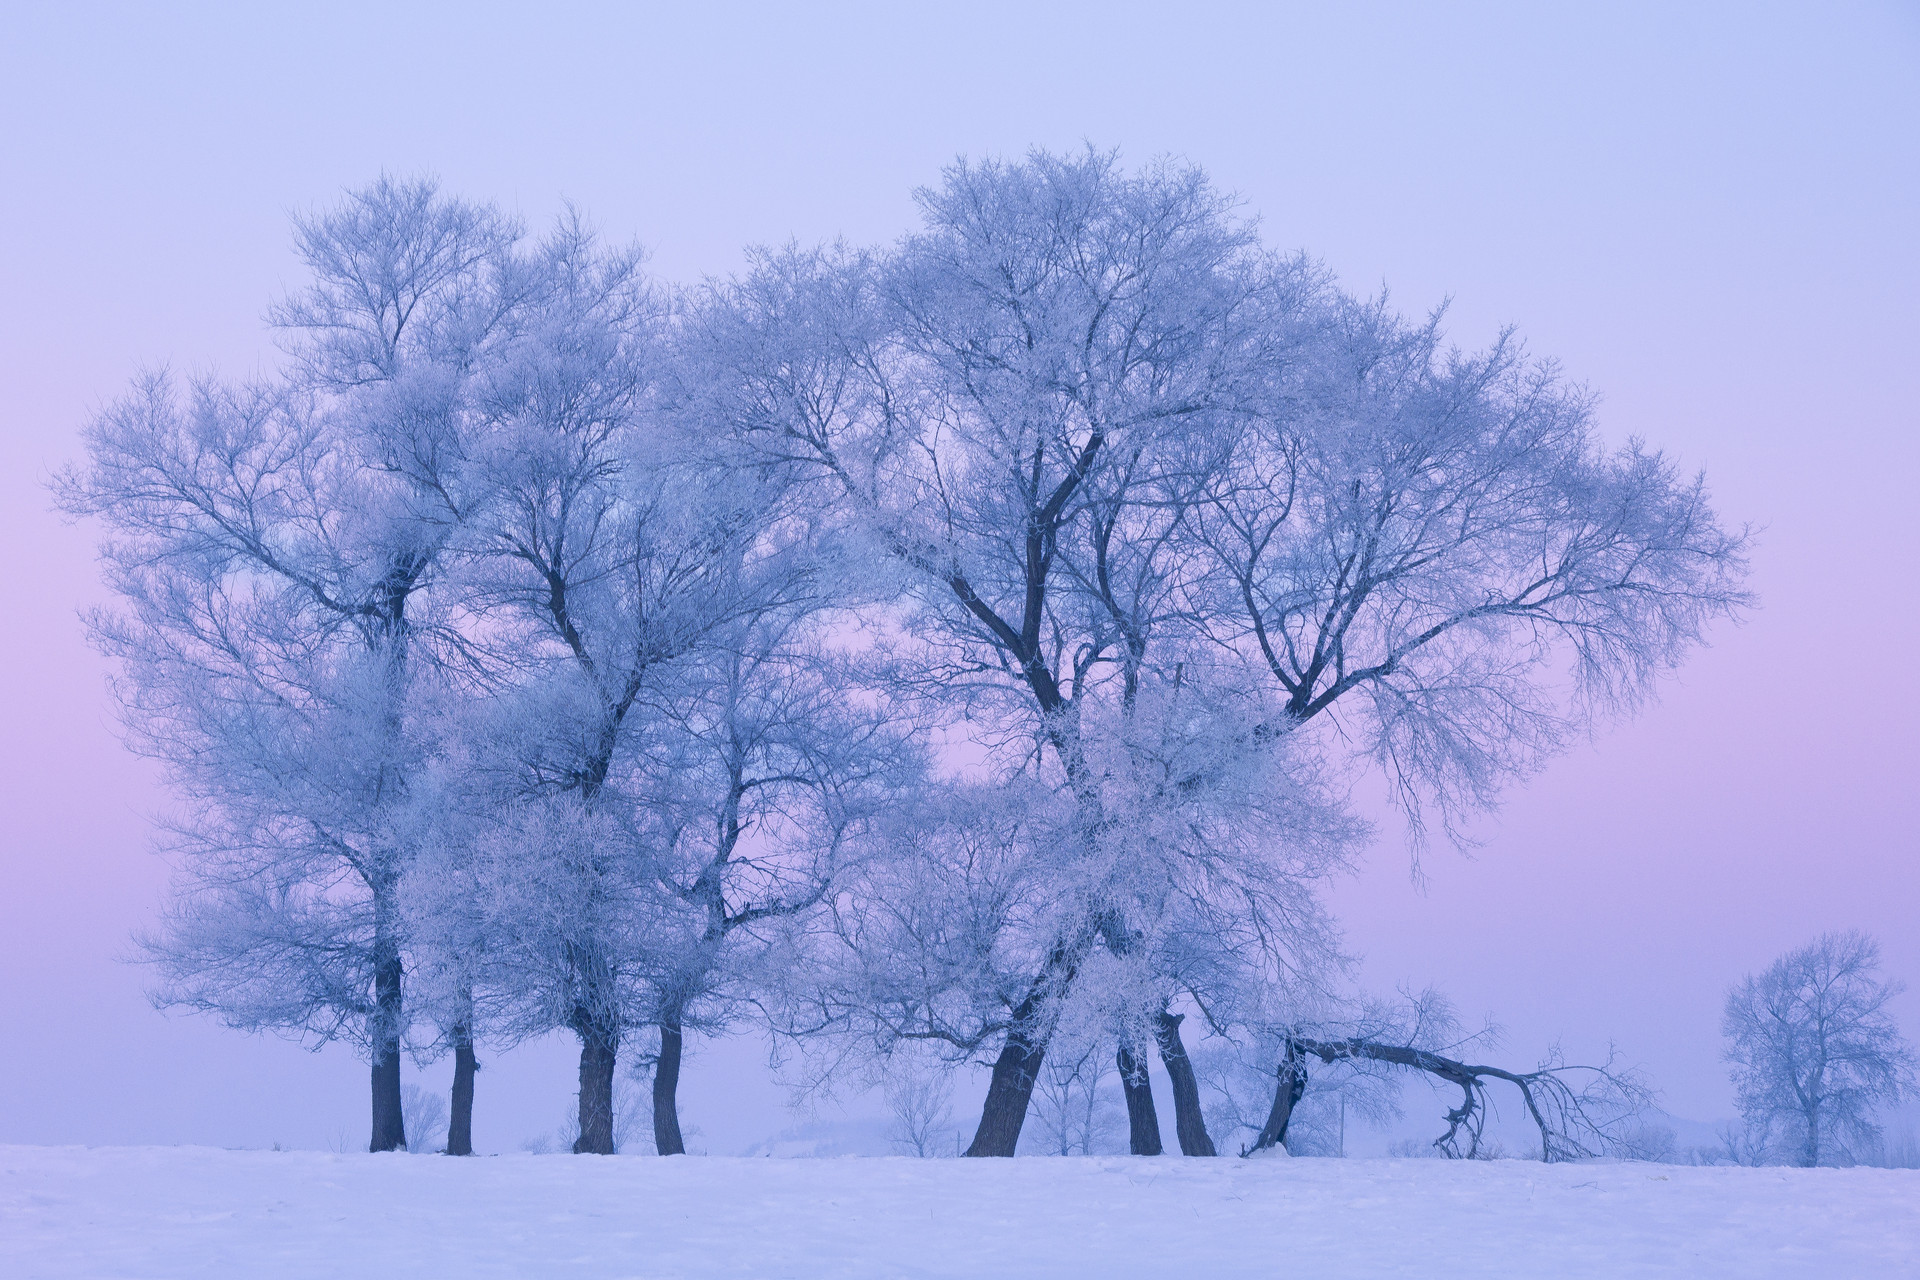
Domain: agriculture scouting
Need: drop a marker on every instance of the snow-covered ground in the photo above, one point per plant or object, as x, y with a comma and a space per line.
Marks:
154, 1212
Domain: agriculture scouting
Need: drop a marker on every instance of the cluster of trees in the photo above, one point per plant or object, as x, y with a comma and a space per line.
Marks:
946, 647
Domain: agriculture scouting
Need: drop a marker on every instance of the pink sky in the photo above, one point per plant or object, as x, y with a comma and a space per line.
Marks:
1710, 217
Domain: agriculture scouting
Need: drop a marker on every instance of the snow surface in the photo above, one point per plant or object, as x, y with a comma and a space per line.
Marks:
154, 1212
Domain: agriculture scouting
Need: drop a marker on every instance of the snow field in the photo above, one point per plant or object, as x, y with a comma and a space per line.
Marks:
154, 1212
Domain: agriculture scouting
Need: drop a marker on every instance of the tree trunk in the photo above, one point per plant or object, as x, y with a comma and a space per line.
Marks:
1010, 1089
1143, 1122
1189, 1125
460, 1120
666, 1086
389, 1125
1286, 1094
599, 1049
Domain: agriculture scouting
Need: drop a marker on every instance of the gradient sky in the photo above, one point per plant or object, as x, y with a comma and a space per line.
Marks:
1708, 213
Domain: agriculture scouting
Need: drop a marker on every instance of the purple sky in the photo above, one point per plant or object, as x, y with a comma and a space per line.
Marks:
1711, 217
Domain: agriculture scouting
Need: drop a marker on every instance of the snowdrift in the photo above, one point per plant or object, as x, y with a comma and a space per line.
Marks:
154, 1212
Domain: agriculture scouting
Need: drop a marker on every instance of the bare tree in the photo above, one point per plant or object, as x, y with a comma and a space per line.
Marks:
1815, 1049
1318, 1102
920, 1096
1073, 1117
426, 1115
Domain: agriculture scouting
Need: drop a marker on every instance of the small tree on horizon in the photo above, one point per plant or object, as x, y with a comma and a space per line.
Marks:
1814, 1049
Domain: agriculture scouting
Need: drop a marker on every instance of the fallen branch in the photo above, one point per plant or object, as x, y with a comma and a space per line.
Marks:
1575, 1123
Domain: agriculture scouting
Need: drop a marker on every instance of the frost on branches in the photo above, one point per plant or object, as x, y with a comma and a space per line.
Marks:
1816, 1053
953, 652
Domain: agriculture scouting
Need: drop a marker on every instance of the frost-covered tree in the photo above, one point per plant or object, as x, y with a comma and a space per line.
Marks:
461, 989
1815, 1049
275, 548
1438, 568
769, 773
1141, 476
426, 1117
1434, 552
648, 618
998, 404
593, 561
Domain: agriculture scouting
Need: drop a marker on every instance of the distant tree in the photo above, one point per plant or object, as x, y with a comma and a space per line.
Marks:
1069, 1111
920, 1096
1747, 1145
426, 1114
1815, 1051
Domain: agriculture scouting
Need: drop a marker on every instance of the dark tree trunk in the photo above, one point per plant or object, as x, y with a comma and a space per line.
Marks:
1010, 1088
599, 1050
460, 1121
666, 1086
1190, 1126
1143, 1122
1291, 1084
389, 1126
